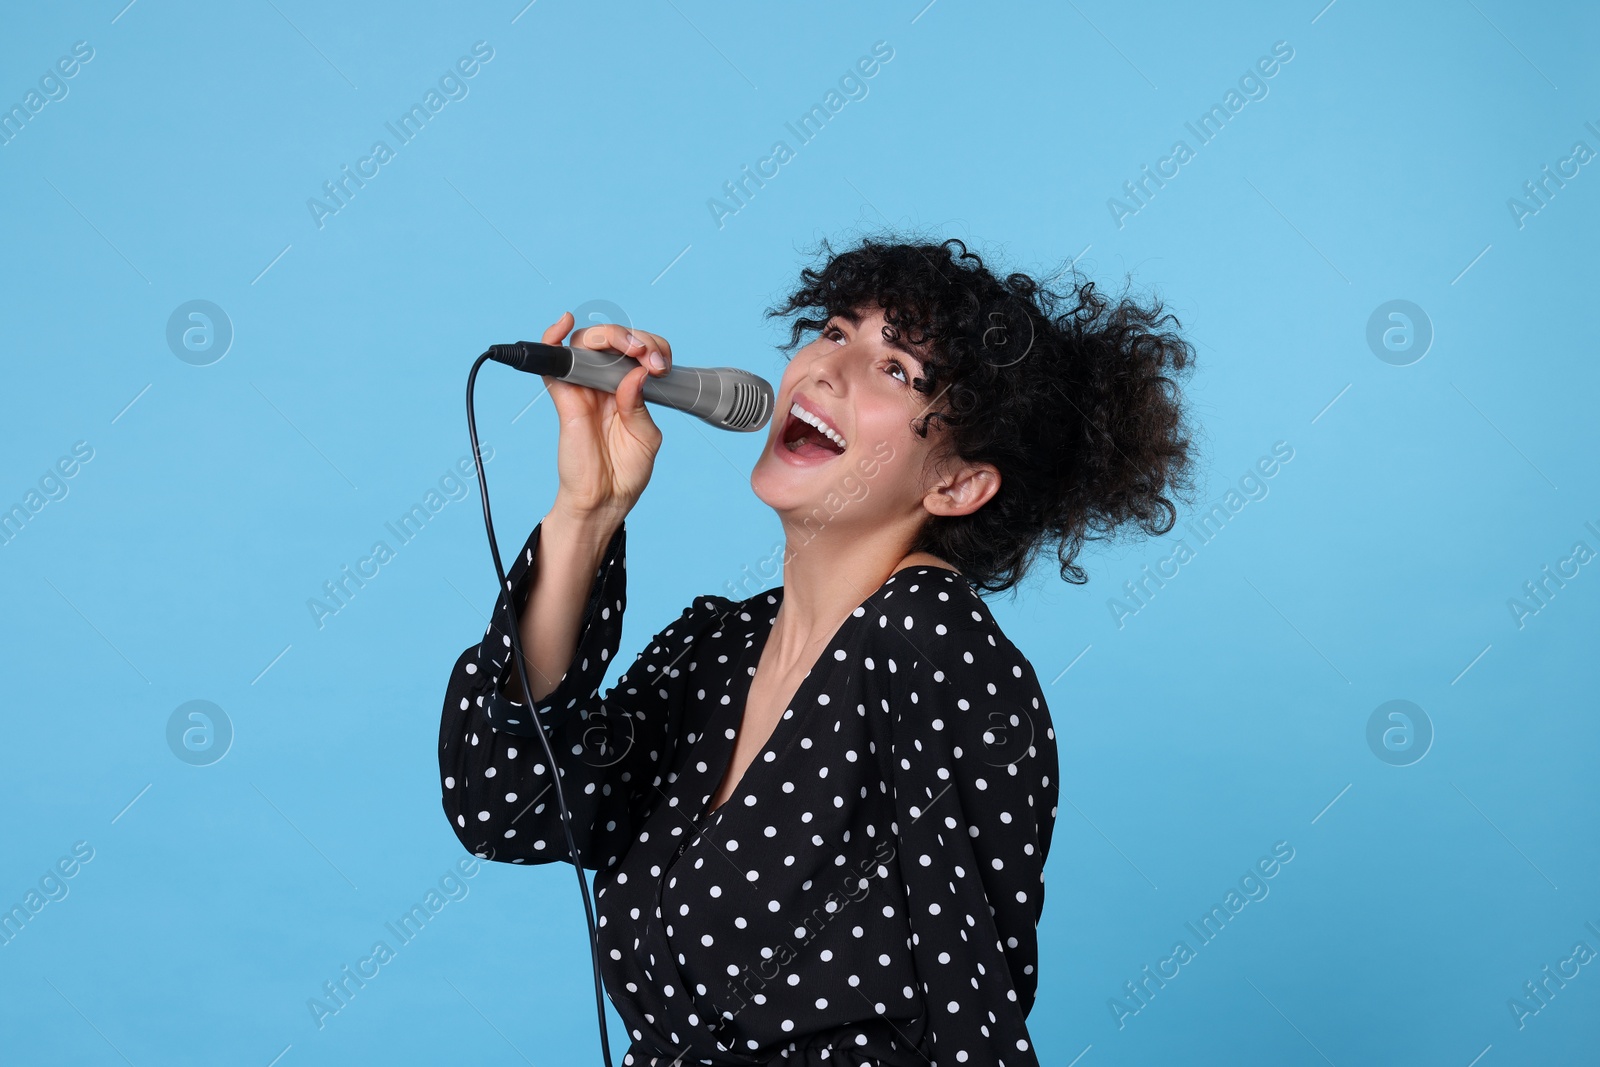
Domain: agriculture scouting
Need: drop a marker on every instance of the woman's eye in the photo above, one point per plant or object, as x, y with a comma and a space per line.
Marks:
834, 331
896, 365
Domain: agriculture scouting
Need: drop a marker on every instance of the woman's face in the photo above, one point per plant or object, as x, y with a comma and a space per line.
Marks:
860, 385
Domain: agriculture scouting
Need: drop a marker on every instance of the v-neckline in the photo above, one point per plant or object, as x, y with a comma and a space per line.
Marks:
745, 674
745, 677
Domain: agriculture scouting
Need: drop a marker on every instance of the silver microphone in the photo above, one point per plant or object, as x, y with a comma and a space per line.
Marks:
726, 397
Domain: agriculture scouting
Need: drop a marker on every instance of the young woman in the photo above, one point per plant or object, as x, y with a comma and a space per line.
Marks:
819, 815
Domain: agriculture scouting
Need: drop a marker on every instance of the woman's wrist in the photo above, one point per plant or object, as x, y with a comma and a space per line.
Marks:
589, 526
578, 539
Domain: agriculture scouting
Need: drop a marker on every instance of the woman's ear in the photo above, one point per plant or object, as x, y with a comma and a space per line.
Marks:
963, 490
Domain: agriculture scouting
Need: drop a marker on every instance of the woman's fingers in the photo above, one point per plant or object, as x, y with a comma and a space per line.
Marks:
558, 330
656, 345
648, 348
630, 395
605, 336
661, 343
569, 399
635, 415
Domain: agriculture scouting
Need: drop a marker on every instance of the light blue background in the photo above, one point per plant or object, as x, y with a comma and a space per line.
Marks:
1225, 716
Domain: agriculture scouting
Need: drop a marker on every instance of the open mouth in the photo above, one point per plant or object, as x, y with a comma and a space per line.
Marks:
803, 439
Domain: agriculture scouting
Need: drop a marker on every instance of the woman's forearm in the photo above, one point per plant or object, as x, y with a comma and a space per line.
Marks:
571, 547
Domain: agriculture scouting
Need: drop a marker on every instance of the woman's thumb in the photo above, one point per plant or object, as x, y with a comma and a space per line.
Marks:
630, 394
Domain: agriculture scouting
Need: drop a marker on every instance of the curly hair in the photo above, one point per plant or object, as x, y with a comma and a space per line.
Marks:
1071, 396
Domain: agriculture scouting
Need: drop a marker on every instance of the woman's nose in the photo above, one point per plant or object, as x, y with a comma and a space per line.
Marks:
830, 364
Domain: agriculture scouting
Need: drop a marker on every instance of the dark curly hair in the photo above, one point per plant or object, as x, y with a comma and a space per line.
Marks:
1071, 396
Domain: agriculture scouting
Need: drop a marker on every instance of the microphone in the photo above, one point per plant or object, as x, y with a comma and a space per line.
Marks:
726, 397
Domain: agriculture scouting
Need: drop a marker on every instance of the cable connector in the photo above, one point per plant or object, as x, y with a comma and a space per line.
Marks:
533, 357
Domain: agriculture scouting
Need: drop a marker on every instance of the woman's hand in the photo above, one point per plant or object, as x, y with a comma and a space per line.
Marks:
608, 441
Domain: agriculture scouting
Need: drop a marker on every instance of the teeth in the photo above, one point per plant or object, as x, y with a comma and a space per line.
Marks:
805, 416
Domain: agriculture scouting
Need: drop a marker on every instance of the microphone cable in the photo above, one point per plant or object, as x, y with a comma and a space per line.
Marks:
527, 694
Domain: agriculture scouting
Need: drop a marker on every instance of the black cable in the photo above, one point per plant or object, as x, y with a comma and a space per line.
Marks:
527, 694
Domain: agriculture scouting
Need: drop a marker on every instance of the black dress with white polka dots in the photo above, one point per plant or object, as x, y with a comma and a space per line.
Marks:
869, 893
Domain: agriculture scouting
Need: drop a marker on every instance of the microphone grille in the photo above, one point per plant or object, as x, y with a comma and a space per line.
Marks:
749, 407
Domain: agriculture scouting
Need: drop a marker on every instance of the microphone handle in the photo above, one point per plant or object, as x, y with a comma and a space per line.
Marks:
681, 387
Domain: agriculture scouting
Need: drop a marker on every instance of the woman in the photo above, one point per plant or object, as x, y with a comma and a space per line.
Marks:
819, 815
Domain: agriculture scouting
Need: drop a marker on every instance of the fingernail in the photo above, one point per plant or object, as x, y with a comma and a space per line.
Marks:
657, 362
632, 340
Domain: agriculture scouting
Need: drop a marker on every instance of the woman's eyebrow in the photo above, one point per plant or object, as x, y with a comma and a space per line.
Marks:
898, 344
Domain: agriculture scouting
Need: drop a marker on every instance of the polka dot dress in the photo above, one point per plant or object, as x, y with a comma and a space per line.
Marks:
868, 894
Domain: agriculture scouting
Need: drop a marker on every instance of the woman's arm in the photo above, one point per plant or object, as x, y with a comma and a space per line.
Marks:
567, 557
568, 590
495, 778
611, 750
975, 768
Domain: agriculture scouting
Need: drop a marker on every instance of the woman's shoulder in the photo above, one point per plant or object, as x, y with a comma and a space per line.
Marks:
931, 619
711, 615
935, 599
957, 683
719, 607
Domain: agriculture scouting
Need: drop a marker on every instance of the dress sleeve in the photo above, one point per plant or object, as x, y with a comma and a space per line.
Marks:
975, 789
497, 789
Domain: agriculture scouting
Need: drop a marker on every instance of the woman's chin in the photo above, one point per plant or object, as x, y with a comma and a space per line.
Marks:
772, 484
786, 488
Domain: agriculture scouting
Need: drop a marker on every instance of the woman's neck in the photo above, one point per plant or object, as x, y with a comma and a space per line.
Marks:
824, 580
